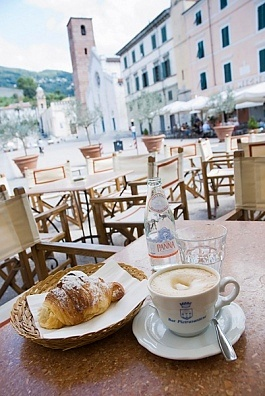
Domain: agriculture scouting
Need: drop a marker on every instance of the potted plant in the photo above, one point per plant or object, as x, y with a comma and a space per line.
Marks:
253, 125
81, 116
220, 105
20, 126
145, 108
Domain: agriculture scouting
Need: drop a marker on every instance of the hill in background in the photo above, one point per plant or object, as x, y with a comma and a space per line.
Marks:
49, 80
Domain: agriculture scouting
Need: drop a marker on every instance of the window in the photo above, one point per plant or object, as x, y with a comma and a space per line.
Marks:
137, 83
114, 124
203, 81
83, 30
85, 50
225, 37
170, 95
261, 16
198, 18
200, 53
128, 87
164, 34
166, 68
125, 63
142, 49
153, 39
156, 73
133, 57
145, 79
223, 4
227, 72
262, 60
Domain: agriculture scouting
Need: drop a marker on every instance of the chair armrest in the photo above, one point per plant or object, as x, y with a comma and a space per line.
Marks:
87, 249
50, 212
131, 198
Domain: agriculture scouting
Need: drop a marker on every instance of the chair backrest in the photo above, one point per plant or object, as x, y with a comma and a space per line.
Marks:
18, 227
205, 149
99, 164
48, 175
249, 181
255, 149
189, 150
170, 170
231, 142
137, 163
257, 137
3, 181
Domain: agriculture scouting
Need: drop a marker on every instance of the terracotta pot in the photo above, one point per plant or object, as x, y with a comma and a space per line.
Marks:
153, 143
223, 130
92, 151
27, 161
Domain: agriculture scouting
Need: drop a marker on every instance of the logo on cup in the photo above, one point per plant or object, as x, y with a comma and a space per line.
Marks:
186, 312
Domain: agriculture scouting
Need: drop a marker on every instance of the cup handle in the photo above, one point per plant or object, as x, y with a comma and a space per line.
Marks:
226, 300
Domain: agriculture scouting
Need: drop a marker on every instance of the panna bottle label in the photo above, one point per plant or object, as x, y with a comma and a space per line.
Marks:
162, 244
158, 203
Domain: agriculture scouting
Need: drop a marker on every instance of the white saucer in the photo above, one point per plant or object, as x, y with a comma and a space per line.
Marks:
152, 334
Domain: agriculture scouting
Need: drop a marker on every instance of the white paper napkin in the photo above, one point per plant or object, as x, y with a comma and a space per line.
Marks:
135, 292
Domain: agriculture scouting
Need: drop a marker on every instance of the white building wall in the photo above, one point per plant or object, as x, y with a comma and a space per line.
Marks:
106, 91
55, 122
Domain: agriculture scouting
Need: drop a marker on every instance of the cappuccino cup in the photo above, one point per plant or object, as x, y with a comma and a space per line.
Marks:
187, 296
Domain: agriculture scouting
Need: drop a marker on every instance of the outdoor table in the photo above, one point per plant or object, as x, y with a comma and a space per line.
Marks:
118, 365
85, 186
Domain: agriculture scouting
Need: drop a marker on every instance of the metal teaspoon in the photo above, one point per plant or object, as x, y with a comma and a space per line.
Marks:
225, 346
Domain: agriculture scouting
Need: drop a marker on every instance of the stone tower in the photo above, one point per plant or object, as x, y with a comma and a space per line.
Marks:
81, 40
41, 100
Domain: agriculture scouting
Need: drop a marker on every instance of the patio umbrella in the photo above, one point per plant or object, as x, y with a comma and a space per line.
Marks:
255, 93
177, 107
246, 105
198, 103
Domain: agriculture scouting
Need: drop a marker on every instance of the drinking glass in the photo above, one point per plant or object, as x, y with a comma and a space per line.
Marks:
202, 244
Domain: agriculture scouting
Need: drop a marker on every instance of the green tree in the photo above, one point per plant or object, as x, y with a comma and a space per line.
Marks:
19, 126
222, 104
80, 115
55, 96
146, 107
28, 85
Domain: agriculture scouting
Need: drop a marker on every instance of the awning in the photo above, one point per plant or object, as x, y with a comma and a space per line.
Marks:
246, 105
254, 93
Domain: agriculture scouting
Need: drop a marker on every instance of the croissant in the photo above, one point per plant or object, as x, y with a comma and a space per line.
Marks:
77, 298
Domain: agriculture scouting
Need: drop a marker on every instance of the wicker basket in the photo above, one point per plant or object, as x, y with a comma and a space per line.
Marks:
23, 322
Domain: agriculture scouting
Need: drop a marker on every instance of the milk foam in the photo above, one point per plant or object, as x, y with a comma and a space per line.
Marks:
183, 282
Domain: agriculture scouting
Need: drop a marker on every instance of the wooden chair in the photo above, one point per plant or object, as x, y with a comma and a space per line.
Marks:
23, 250
231, 142
191, 168
218, 175
170, 170
36, 177
249, 188
130, 222
3, 181
99, 164
137, 163
253, 149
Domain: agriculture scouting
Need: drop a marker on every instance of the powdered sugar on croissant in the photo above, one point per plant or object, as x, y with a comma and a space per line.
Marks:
77, 298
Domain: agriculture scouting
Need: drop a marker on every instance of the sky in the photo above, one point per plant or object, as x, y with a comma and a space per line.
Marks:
33, 33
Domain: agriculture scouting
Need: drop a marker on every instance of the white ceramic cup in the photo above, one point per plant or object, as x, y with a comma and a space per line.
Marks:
187, 301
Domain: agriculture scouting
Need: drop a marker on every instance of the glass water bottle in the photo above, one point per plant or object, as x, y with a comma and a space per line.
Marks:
159, 226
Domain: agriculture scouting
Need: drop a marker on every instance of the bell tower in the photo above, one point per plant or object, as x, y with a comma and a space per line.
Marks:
81, 40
